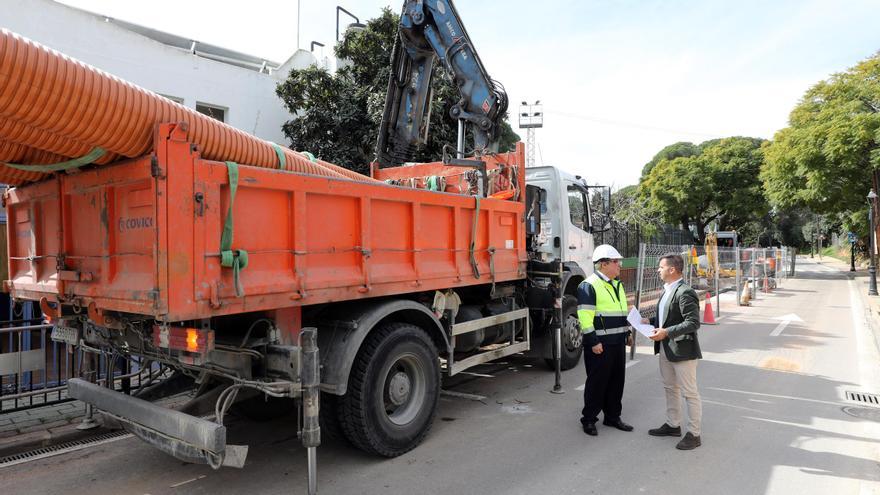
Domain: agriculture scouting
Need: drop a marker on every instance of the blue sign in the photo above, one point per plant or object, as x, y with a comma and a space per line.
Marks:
852, 238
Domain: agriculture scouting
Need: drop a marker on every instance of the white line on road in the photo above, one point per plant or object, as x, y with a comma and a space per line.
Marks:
776, 396
786, 320
631, 363
462, 395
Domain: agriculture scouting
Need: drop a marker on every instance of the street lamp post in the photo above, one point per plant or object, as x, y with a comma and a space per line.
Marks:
872, 268
852, 256
851, 236
531, 117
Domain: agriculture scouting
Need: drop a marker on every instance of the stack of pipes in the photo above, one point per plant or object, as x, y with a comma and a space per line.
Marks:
54, 109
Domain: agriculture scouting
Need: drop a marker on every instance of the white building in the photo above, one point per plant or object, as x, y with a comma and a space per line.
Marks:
234, 87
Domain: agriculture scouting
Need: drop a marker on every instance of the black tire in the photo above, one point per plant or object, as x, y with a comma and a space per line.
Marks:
572, 339
392, 391
329, 417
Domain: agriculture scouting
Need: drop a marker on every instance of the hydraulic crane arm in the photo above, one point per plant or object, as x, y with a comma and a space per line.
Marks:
428, 31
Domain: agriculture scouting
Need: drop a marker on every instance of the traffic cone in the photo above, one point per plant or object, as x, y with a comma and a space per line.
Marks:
708, 313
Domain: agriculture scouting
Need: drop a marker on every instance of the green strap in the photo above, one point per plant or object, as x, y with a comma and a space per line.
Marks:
310, 156
474, 239
237, 259
69, 164
282, 160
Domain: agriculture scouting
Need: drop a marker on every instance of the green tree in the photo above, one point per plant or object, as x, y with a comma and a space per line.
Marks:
718, 184
628, 207
679, 149
337, 116
828, 156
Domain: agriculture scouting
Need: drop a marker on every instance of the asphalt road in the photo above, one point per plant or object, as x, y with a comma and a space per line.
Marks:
775, 421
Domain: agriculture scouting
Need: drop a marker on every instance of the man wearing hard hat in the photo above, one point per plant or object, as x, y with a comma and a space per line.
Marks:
602, 311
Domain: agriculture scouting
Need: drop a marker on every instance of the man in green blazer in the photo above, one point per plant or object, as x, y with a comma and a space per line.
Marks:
677, 322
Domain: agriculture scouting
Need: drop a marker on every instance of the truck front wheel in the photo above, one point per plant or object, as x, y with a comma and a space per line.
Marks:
392, 391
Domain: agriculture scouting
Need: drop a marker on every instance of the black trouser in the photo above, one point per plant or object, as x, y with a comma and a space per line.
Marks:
605, 377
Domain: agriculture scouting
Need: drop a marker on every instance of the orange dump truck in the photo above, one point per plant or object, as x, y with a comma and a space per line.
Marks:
130, 257
269, 279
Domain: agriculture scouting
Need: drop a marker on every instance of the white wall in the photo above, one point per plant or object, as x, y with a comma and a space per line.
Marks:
248, 95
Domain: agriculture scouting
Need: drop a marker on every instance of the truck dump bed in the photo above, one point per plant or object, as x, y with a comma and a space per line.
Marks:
143, 236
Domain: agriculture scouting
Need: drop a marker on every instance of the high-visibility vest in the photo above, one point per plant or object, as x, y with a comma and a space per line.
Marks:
607, 313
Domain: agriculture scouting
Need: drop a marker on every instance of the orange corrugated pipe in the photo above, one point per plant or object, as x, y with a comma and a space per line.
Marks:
17, 153
47, 90
23, 134
15, 177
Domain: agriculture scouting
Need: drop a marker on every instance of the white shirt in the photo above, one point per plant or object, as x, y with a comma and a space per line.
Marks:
668, 289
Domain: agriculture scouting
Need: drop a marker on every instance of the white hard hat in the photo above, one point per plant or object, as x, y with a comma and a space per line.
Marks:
605, 252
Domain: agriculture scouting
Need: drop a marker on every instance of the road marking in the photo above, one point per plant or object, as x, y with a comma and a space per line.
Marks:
784, 323
476, 374
631, 363
462, 395
188, 481
777, 396
581, 388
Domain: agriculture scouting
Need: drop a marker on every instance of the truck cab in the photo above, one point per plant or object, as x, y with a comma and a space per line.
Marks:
567, 222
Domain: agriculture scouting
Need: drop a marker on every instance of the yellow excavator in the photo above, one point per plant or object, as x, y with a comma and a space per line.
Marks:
707, 269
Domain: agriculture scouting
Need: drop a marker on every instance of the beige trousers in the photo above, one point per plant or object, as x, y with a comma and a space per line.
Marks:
680, 378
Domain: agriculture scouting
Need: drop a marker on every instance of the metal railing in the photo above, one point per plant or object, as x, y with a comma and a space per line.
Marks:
34, 369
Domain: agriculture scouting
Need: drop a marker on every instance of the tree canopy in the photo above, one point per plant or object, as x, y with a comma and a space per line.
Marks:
679, 149
337, 116
826, 158
715, 181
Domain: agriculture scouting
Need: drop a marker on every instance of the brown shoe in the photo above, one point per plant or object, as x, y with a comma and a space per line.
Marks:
689, 442
665, 431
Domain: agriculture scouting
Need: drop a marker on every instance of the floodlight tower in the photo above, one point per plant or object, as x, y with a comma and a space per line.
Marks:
531, 117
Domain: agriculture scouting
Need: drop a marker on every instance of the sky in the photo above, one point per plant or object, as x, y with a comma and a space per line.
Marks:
618, 79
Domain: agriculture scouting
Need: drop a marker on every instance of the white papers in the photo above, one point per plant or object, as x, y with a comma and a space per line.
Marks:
635, 319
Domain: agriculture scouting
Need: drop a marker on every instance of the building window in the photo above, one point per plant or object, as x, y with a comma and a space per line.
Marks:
175, 99
212, 111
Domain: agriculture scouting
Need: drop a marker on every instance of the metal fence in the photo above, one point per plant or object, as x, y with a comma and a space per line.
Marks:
762, 270
712, 272
649, 287
34, 369
627, 238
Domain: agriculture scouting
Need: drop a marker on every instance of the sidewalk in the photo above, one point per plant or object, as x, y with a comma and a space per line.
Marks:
41, 426
860, 276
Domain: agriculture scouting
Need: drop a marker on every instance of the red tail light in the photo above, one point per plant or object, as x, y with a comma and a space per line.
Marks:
183, 339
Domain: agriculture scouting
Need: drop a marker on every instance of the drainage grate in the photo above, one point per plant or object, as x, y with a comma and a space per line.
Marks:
862, 398
63, 448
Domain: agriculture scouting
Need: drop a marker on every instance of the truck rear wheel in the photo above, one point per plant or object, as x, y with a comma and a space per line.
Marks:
572, 338
392, 391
